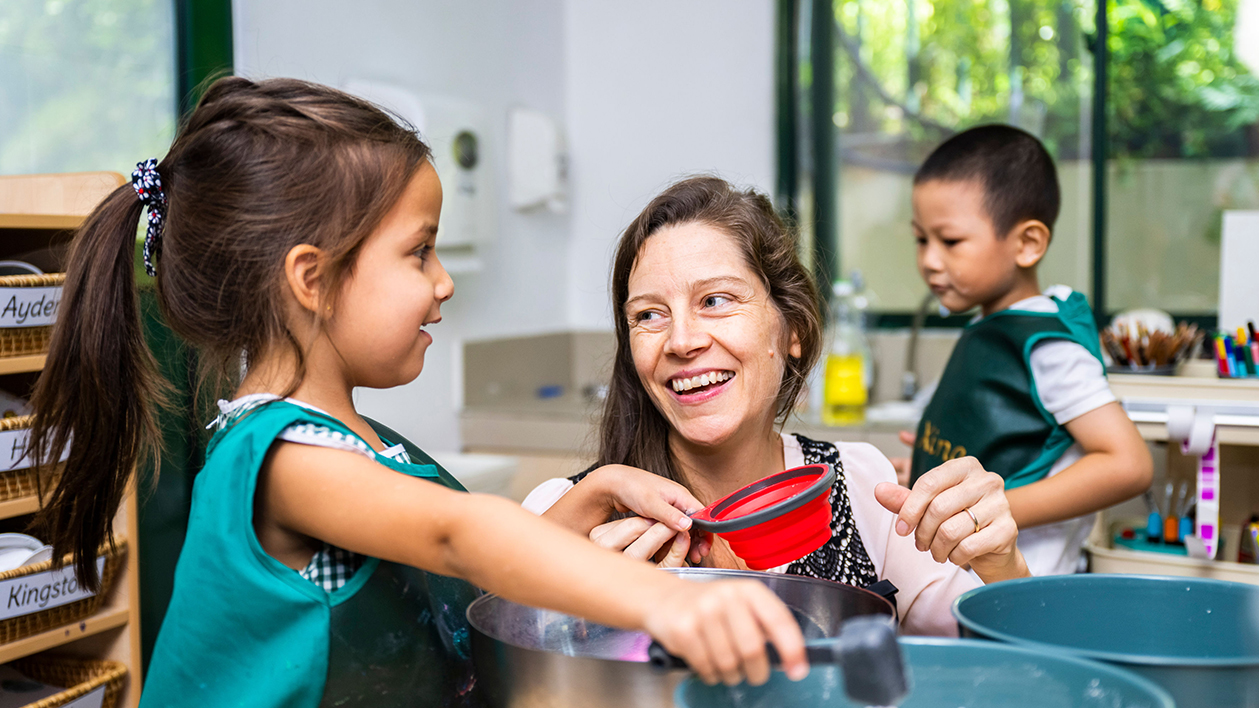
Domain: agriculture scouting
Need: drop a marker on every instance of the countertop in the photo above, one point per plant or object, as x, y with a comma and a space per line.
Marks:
566, 425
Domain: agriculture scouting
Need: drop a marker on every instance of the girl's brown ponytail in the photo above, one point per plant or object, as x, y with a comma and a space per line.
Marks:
97, 389
257, 168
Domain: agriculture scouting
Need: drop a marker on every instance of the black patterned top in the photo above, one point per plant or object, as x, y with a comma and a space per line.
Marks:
843, 558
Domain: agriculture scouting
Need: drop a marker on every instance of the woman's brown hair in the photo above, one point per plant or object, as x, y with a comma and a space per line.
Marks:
633, 431
256, 169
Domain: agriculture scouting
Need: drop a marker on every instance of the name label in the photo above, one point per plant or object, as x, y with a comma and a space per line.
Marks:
13, 449
29, 307
41, 591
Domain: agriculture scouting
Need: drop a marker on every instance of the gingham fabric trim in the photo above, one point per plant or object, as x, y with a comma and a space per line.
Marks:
331, 567
323, 436
305, 433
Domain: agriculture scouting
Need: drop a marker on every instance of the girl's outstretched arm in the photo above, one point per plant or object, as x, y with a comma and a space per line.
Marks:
351, 502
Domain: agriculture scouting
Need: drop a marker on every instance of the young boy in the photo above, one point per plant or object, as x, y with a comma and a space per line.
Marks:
1025, 389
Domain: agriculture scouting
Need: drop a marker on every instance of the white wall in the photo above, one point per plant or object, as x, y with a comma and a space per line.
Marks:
649, 91
498, 53
658, 89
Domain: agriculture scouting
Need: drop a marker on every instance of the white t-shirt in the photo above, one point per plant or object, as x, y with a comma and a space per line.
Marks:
926, 589
1070, 382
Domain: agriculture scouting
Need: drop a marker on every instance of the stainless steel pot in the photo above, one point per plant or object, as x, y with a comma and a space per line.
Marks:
531, 658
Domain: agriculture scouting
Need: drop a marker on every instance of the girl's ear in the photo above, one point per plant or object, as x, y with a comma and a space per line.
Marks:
795, 345
1033, 240
303, 268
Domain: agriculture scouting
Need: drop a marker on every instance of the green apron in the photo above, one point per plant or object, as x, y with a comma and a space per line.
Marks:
245, 630
986, 405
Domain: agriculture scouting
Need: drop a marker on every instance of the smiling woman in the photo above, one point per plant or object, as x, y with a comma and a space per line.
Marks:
672, 316
728, 252
717, 328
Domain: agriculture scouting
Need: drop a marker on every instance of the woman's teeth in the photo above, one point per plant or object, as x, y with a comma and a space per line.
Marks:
680, 385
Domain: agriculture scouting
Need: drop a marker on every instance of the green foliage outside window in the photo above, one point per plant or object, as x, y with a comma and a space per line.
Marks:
920, 69
1177, 88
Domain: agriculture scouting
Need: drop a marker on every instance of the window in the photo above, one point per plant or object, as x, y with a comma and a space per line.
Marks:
1183, 104
1179, 134
85, 85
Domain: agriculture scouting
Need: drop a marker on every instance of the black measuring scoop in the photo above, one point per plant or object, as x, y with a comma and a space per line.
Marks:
865, 651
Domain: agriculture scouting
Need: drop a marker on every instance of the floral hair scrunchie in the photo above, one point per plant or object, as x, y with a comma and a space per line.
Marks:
148, 185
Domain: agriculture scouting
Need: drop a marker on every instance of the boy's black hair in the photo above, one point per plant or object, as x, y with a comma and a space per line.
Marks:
1016, 172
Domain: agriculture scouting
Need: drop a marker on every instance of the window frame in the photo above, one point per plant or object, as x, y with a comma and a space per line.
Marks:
203, 48
822, 245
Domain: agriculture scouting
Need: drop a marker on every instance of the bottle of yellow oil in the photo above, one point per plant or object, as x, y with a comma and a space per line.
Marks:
847, 373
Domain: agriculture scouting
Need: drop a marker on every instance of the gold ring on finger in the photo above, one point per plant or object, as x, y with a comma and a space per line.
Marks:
971, 514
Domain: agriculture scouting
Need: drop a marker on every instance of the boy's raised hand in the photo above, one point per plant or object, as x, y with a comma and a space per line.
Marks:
721, 628
958, 512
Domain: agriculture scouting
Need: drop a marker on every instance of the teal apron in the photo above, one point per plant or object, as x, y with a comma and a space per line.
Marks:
986, 405
245, 630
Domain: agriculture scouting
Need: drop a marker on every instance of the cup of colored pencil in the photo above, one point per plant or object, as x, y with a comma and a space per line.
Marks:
1135, 349
1237, 356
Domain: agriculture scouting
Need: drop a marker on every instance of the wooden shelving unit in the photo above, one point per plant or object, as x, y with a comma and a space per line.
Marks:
18, 507
21, 364
108, 618
1240, 428
37, 210
39, 221
1235, 403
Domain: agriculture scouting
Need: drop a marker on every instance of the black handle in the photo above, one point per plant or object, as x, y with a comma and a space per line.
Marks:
661, 660
886, 590
866, 651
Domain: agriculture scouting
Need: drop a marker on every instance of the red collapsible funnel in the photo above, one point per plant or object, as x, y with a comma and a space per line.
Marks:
776, 520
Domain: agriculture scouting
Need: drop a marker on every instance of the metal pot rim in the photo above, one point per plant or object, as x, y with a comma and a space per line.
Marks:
725, 573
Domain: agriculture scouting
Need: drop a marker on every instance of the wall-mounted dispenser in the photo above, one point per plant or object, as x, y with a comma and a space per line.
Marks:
537, 162
458, 133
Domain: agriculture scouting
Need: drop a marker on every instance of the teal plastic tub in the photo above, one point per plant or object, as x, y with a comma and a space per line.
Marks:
948, 673
1197, 638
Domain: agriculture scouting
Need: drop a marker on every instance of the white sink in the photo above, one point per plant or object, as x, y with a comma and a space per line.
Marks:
488, 474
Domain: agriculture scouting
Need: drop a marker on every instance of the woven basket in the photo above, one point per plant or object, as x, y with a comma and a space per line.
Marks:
25, 341
79, 676
15, 484
16, 628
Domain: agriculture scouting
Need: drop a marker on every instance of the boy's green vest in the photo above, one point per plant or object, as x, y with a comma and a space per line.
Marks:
986, 405
245, 630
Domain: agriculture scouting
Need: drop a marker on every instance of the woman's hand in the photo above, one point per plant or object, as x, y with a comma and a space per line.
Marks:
720, 629
614, 489
958, 512
645, 539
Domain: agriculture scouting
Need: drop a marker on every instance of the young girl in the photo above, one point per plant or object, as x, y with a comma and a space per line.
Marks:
291, 228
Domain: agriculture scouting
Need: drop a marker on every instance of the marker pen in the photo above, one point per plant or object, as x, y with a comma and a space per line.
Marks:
1254, 345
